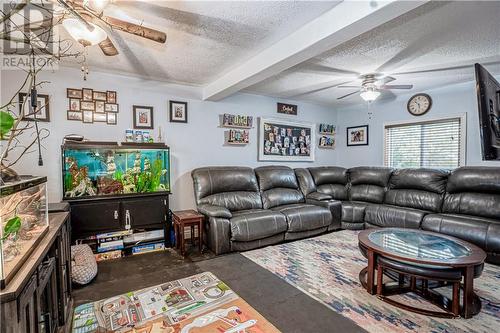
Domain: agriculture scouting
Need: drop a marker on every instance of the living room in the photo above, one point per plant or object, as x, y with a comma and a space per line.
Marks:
248, 166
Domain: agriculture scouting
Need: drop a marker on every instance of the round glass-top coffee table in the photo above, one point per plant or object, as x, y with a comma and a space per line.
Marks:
420, 257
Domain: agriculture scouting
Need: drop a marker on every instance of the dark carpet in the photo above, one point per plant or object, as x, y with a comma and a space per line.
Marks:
289, 309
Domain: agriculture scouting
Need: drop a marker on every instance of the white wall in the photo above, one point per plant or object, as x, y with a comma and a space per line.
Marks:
198, 143
447, 101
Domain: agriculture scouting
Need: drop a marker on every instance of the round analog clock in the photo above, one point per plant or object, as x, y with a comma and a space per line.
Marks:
419, 104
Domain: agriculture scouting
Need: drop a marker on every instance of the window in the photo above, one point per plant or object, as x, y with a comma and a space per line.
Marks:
428, 144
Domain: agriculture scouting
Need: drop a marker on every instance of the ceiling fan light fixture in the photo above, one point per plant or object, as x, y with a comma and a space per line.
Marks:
80, 33
370, 94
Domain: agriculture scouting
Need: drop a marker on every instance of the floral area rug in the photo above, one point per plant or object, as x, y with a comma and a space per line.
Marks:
327, 268
197, 304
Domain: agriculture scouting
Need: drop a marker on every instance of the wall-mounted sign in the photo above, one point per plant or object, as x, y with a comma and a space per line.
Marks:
287, 108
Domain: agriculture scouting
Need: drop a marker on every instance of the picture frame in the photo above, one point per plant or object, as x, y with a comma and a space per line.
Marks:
286, 141
327, 142
43, 107
178, 112
99, 106
100, 117
290, 109
74, 104
327, 129
87, 116
110, 107
74, 93
74, 115
87, 94
357, 136
111, 96
143, 117
100, 96
111, 118
89, 106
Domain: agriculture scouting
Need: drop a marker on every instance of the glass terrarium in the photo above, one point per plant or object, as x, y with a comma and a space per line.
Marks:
24, 221
91, 169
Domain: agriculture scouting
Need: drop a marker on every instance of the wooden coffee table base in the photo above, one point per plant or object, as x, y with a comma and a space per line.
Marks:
471, 304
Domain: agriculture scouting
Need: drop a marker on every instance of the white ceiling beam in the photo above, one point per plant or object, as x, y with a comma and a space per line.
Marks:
338, 25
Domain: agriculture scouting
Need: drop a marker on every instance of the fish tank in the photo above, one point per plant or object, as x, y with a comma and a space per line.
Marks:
23, 220
108, 169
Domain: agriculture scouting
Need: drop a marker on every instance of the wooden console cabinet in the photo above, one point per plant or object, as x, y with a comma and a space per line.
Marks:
38, 298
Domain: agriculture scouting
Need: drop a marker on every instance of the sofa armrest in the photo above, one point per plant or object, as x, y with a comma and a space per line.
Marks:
335, 208
319, 196
215, 211
218, 235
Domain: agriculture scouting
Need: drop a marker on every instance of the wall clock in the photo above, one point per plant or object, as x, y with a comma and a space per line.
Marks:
419, 104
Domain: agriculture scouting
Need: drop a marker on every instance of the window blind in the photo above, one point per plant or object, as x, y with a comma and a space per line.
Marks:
432, 144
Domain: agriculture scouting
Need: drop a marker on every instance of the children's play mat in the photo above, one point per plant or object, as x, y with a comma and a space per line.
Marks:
197, 304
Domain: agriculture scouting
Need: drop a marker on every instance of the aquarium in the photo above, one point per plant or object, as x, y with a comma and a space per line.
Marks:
91, 170
24, 221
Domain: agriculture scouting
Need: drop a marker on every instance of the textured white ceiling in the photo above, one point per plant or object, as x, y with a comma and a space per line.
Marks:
204, 38
414, 48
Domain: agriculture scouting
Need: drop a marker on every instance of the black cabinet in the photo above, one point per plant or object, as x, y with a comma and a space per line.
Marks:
100, 215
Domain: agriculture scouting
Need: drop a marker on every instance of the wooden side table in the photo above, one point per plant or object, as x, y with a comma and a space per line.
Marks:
187, 218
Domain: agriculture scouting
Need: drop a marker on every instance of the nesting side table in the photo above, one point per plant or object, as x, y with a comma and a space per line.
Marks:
187, 219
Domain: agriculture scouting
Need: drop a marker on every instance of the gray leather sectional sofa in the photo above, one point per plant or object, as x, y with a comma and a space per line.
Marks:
248, 208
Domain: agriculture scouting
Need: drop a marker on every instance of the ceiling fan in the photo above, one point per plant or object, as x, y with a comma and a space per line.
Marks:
86, 23
372, 84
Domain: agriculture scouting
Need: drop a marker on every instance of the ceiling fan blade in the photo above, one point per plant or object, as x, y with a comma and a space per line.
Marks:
397, 86
136, 29
108, 48
386, 79
350, 87
341, 97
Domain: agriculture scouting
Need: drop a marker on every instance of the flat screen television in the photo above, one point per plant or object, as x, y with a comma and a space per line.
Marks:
488, 96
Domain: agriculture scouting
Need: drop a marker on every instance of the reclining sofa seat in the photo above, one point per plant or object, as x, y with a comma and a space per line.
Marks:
471, 209
411, 194
280, 192
230, 199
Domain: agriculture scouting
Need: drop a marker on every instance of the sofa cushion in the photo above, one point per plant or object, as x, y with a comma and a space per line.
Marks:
331, 180
393, 216
473, 191
368, 183
482, 232
417, 188
235, 188
278, 186
301, 217
353, 211
256, 224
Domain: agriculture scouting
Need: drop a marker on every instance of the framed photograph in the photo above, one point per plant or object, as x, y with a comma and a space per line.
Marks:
109, 107
74, 115
74, 93
286, 141
100, 96
87, 106
99, 106
327, 129
88, 117
41, 113
74, 104
143, 117
88, 94
111, 118
357, 136
178, 112
111, 96
287, 108
100, 117
326, 141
